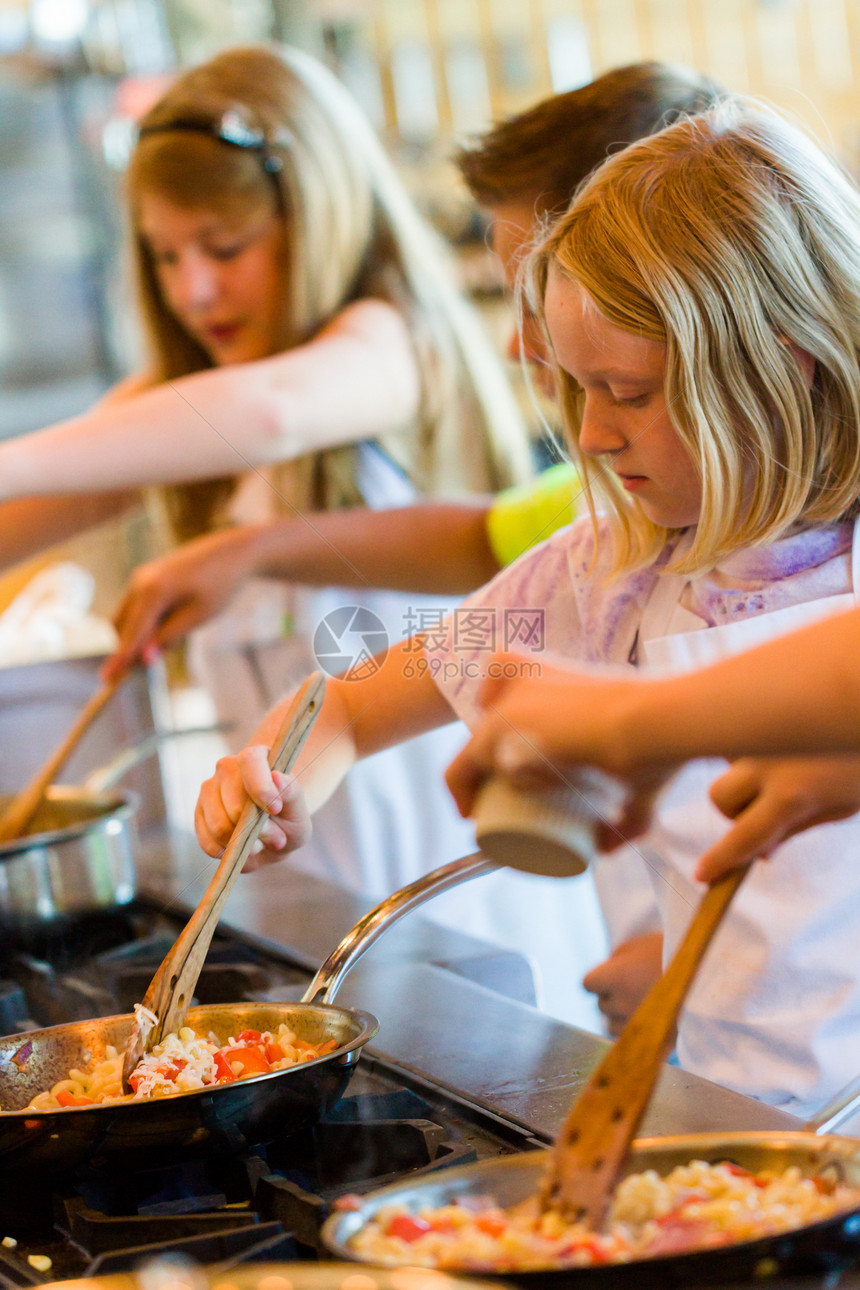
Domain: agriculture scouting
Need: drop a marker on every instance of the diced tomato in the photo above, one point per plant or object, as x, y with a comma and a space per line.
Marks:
177, 1064
407, 1227
250, 1037
328, 1047
490, 1224
274, 1053
590, 1245
223, 1068
250, 1058
737, 1170
65, 1098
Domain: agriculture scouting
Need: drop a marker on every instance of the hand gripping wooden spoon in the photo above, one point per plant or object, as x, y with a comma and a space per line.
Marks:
170, 991
595, 1138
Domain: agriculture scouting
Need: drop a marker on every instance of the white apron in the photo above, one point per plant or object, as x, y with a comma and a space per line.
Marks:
392, 819
775, 1012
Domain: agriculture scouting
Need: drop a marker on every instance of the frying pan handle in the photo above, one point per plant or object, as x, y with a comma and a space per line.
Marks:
104, 777
839, 1108
369, 928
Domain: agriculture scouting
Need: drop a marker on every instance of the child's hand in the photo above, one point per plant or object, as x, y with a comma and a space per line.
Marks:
622, 981
223, 797
539, 729
772, 798
535, 726
166, 598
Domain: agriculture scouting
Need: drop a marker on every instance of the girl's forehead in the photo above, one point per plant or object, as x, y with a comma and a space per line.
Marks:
584, 339
158, 216
566, 302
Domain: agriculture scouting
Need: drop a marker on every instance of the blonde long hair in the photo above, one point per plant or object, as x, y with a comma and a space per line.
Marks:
352, 232
728, 237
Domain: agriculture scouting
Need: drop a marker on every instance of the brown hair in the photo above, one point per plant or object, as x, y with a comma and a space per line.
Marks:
545, 152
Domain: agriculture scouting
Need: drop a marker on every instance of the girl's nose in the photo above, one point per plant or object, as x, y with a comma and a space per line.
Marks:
196, 283
597, 433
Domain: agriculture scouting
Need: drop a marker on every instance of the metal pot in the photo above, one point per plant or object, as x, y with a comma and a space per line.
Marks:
225, 1118
78, 858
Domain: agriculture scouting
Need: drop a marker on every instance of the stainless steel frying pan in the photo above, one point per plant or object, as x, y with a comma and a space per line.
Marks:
820, 1246
225, 1118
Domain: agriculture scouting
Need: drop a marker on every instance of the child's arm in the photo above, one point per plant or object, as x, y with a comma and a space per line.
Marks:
34, 524
357, 718
436, 548
799, 693
222, 420
796, 693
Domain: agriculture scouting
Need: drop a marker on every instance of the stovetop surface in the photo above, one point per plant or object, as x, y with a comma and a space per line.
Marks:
265, 1204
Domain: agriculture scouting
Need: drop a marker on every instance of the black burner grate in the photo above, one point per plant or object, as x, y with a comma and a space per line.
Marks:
261, 1206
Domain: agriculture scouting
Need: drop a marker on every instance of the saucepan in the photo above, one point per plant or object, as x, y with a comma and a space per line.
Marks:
78, 857
224, 1118
826, 1245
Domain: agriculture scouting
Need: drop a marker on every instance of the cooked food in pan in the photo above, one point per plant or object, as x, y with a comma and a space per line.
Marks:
696, 1206
180, 1064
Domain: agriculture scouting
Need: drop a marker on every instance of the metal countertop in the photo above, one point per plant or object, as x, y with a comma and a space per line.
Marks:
489, 1048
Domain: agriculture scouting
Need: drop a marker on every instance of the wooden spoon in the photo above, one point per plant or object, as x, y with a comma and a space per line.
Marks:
171, 989
596, 1136
20, 811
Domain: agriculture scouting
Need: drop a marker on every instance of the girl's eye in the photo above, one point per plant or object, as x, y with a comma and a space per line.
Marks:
164, 258
630, 400
226, 252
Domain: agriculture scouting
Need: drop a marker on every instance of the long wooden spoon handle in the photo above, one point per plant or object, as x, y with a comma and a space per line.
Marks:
599, 1128
19, 813
172, 987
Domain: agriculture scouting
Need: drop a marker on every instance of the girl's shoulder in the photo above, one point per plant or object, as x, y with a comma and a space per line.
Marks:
369, 316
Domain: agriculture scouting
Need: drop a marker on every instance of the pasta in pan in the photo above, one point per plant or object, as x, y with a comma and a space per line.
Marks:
696, 1206
182, 1063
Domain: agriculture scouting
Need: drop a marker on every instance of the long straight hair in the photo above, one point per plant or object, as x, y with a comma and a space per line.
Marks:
730, 238
351, 232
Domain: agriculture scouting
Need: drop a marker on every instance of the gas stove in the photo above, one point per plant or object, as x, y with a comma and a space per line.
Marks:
266, 1203
262, 1204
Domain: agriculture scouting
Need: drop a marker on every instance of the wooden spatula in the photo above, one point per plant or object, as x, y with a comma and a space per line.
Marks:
20, 811
596, 1136
172, 988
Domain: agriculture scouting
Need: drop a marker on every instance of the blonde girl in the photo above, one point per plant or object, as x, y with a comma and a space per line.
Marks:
702, 301
306, 349
355, 330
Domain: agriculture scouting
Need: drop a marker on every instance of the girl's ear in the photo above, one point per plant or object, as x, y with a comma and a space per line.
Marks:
804, 359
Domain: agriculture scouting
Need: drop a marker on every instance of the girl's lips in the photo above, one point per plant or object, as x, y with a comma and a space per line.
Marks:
632, 482
223, 332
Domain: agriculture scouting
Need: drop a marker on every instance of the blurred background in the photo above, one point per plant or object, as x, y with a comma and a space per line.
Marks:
75, 74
